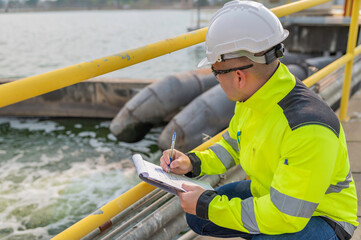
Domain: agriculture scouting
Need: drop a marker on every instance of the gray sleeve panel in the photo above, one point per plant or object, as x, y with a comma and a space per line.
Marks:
292, 206
248, 217
223, 155
340, 185
232, 142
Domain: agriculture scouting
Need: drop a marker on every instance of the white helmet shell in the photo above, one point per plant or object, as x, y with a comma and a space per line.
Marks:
244, 26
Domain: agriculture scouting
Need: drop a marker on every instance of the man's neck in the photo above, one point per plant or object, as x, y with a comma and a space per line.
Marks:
260, 81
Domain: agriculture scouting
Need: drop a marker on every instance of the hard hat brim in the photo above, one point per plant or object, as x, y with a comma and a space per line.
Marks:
204, 63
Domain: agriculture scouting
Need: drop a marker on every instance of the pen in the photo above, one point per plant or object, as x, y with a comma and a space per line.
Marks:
171, 149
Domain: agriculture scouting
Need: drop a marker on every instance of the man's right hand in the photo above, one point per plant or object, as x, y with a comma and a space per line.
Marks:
181, 164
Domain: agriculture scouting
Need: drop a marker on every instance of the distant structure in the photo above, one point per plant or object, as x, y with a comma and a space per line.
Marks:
187, 4
41, 5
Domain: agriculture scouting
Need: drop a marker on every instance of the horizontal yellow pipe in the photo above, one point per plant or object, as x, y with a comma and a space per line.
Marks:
36, 85
102, 215
357, 50
314, 78
294, 7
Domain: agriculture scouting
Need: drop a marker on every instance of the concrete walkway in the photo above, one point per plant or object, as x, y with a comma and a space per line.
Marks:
352, 130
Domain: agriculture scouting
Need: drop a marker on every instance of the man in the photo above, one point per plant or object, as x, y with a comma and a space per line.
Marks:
287, 140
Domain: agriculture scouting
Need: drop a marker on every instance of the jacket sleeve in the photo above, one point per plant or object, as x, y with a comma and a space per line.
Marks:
218, 157
303, 175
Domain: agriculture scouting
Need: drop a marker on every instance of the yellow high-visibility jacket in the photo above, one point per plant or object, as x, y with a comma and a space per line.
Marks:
292, 146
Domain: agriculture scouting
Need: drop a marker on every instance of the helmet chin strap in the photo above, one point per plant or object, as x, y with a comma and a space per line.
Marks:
268, 57
274, 53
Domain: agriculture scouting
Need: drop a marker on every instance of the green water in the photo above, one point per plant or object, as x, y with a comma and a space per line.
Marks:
55, 172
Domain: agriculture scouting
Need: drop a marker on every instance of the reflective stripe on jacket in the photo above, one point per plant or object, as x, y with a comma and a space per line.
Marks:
293, 147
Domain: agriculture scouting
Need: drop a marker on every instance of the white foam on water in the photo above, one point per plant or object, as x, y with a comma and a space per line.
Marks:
5, 120
47, 184
87, 134
32, 124
94, 180
98, 146
40, 233
105, 124
111, 137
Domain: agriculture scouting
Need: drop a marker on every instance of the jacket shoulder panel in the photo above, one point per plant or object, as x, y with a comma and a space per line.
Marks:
303, 107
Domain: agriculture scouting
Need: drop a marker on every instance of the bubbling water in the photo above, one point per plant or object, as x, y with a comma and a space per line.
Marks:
55, 172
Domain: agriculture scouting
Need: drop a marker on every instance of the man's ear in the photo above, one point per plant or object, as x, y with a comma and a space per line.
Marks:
241, 79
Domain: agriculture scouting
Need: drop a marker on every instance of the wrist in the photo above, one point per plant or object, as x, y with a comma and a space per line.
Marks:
203, 203
195, 168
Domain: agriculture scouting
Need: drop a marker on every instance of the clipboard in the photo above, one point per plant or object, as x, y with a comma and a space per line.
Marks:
169, 182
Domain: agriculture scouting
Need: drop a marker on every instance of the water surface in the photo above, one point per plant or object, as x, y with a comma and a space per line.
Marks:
55, 172
34, 43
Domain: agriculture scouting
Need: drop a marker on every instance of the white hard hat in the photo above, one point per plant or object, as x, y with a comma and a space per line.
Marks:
242, 28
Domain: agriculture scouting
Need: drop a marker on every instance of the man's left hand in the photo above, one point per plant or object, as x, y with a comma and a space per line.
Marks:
189, 199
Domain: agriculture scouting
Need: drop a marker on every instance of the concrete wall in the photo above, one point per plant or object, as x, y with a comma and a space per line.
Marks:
95, 98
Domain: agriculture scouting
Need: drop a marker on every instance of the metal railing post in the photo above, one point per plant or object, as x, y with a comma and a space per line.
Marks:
351, 44
347, 8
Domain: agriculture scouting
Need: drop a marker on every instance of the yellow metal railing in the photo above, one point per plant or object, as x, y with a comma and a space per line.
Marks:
33, 86
351, 44
37, 85
347, 8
